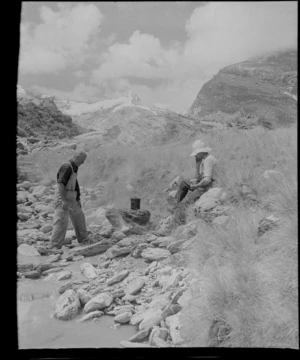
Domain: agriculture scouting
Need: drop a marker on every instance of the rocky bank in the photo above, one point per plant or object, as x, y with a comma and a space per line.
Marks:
134, 269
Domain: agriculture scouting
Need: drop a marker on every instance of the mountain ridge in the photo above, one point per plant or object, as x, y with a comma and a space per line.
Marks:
265, 85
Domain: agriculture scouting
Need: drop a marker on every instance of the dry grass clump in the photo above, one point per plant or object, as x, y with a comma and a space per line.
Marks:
247, 292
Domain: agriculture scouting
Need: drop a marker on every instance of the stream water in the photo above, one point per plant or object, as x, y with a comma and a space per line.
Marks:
37, 328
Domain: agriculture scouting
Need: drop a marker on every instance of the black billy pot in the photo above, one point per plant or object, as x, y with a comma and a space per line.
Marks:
135, 203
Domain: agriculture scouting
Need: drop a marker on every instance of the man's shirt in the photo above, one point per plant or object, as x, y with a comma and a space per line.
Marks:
207, 167
64, 174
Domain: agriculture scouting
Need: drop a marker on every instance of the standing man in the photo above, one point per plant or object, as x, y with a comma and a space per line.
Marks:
205, 164
67, 203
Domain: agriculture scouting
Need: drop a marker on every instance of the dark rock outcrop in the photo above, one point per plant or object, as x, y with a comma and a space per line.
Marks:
264, 86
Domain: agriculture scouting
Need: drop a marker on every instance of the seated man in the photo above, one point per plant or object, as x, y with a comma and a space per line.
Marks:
191, 190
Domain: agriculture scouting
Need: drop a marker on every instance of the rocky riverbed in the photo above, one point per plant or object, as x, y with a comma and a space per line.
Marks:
135, 272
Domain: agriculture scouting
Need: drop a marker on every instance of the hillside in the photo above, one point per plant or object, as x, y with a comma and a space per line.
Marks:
262, 86
129, 121
41, 118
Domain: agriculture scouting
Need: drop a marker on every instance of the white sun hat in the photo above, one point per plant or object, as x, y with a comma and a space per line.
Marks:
199, 146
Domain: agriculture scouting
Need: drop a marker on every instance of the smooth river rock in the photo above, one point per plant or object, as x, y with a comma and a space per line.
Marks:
152, 254
90, 250
98, 302
67, 306
27, 250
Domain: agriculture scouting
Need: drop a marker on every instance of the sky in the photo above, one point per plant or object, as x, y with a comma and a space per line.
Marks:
162, 51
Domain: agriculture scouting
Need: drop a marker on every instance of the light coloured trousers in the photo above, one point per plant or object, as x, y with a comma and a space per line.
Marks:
61, 221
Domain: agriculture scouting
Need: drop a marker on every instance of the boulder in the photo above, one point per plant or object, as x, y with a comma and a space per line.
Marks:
23, 216
39, 191
28, 226
120, 309
151, 318
118, 235
159, 302
140, 336
185, 298
126, 242
27, 250
134, 286
31, 199
67, 286
33, 274
52, 270
67, 306
26, 185
171, 309
88, 270
24, 209
120, 217
175, 183
163, 241
137, 317
129, 298
140, 217
90, 250
159, 342
123, 318
208, 200
64, 275
46, 182
118, 277
136, 252
116, 251
165, 226
186, 231
42, 250
92, 315
175, 246
174, 325
54, 258
46, 228
25, 267
22, 196
152, 254
43, 208
158, 336
84, 296
98, 302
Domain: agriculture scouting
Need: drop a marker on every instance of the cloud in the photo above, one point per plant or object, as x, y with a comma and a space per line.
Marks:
61, 39
143, 56
218, 34
222, 33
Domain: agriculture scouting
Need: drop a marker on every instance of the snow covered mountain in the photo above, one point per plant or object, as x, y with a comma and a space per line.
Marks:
126, 120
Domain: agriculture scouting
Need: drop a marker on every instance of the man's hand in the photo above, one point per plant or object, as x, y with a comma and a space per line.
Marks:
79, 203
193, 187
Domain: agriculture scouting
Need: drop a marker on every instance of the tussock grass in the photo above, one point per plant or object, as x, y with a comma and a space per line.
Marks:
247, 292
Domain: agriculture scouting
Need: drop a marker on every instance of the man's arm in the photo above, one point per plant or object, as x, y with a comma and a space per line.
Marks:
62, 191
63, 177
208, 166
